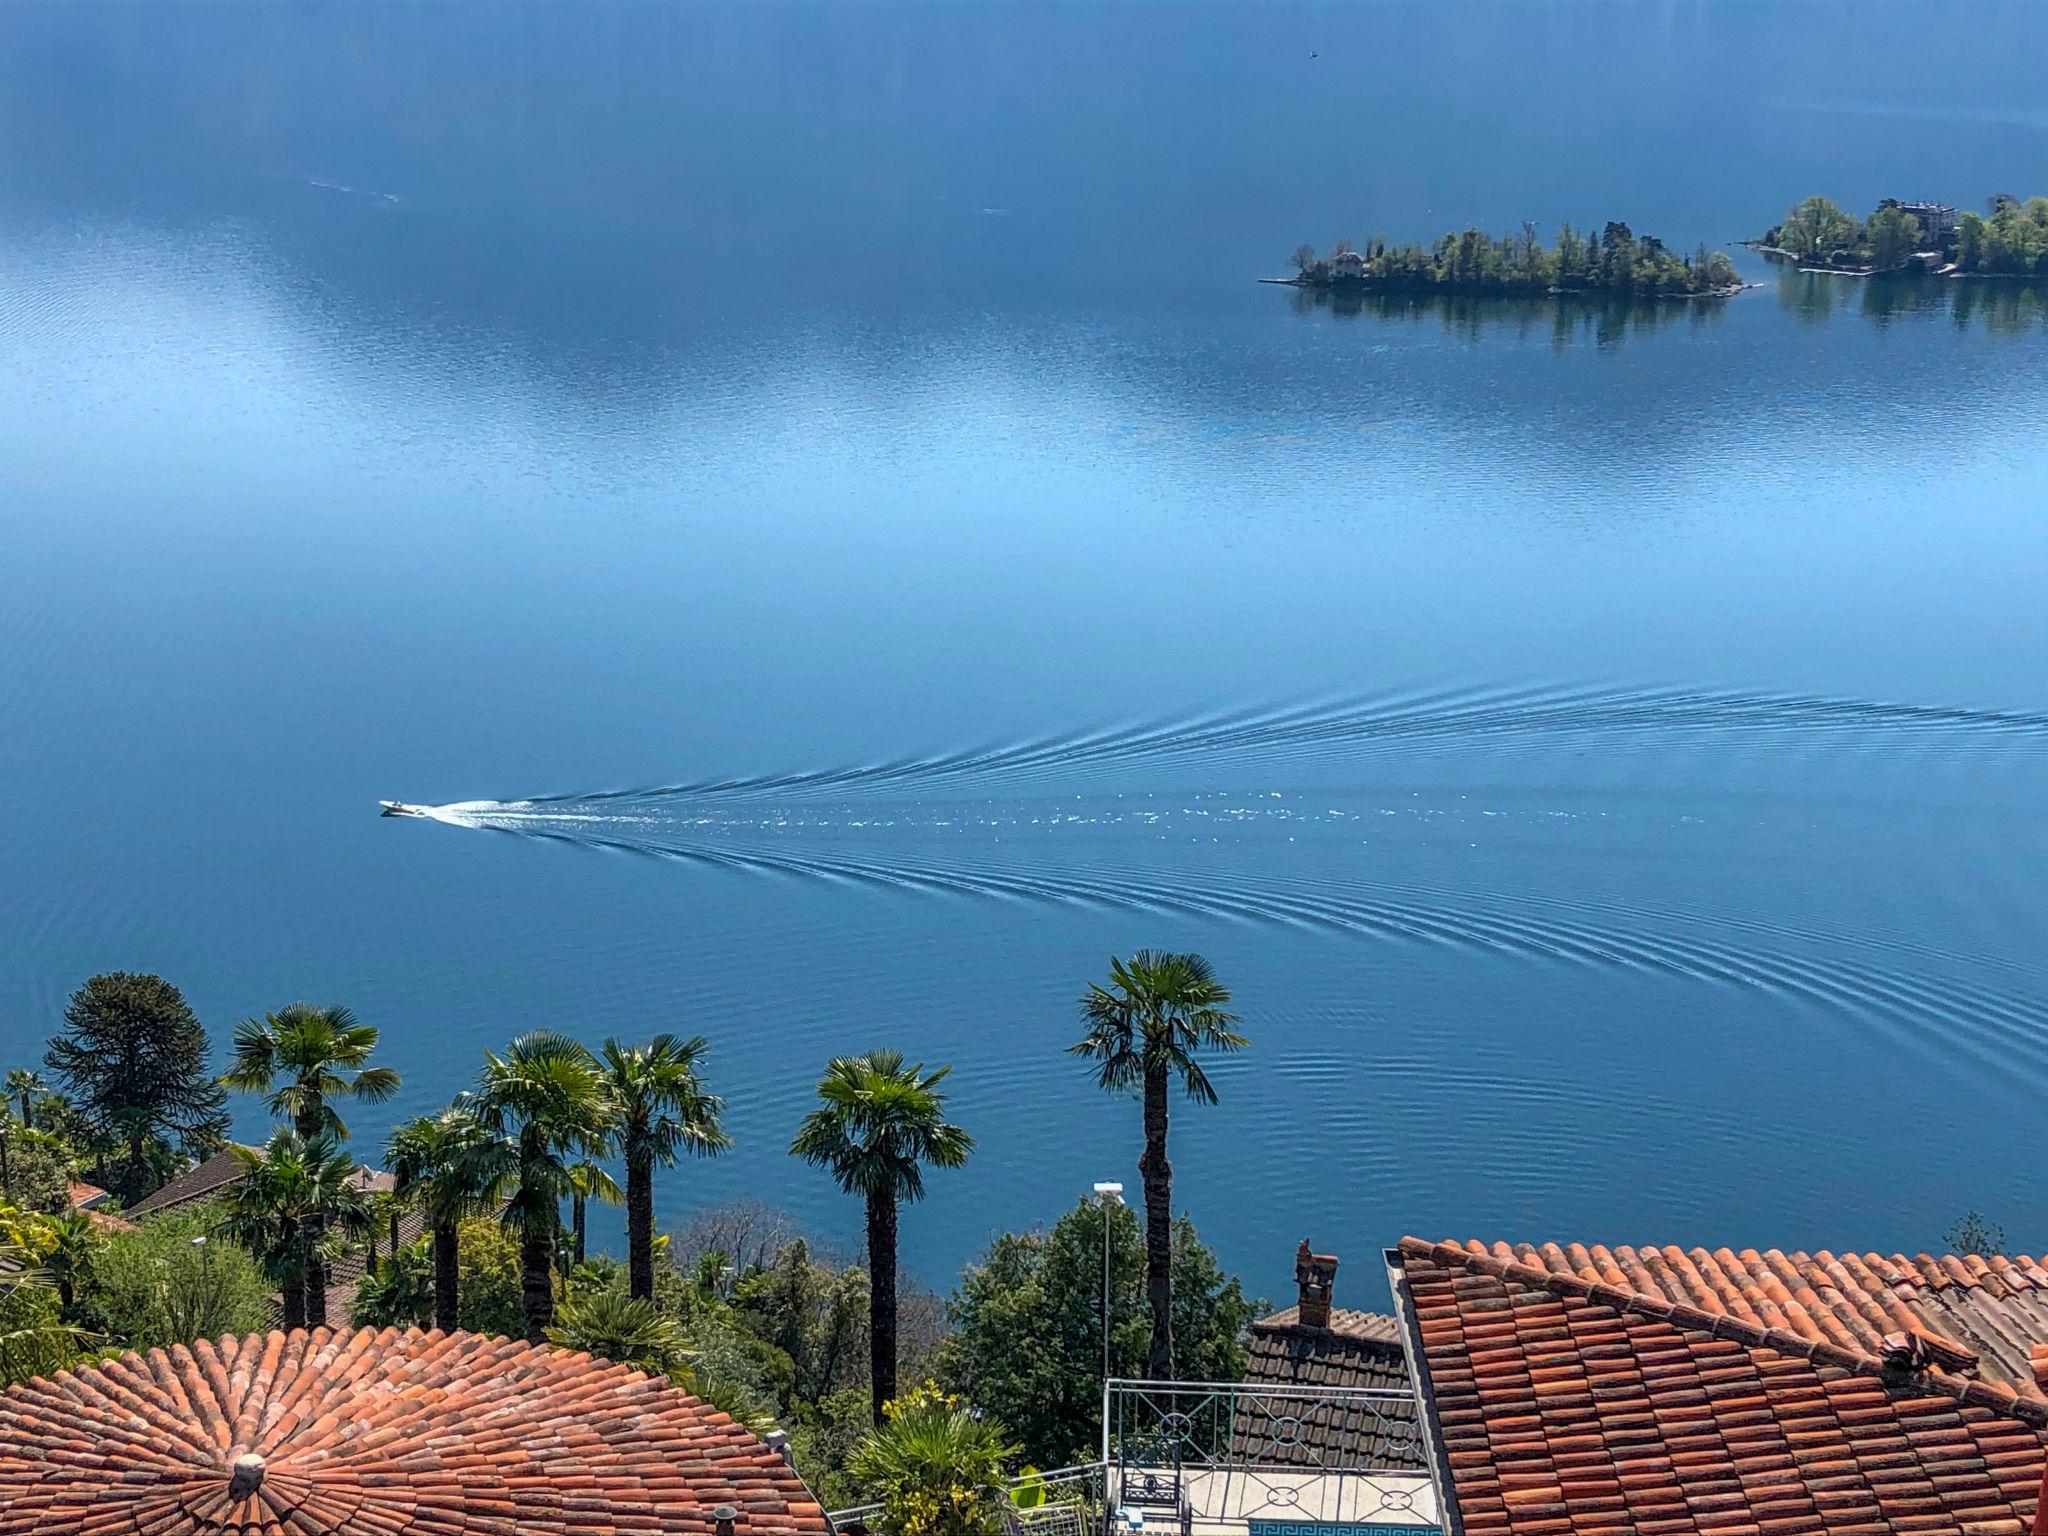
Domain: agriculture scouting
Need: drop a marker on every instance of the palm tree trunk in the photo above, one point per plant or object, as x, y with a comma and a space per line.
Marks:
1157, 1175
536, 1273
881, 1298
640, 1222
580, 1216
447, 1276
308, 1129
294, 1282
316, 1273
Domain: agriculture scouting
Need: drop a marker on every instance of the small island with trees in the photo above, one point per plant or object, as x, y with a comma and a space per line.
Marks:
1616, 261
2009, 239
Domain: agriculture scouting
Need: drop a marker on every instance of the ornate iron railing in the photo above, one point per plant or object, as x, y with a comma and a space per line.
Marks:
1222, 1458
1231, 1454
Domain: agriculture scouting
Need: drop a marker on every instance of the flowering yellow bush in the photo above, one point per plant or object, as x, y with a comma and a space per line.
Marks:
935, 1468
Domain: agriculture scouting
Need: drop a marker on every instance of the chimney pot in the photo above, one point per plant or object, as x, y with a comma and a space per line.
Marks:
1315, 1278
247, 1477
722, 1518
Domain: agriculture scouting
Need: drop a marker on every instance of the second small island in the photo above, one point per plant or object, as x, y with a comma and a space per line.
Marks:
1614, 261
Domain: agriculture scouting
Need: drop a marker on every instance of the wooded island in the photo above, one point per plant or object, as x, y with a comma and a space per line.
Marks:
1614, 261
2009, 239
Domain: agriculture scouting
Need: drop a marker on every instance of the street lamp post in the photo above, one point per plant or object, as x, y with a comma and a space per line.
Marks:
1107, 1195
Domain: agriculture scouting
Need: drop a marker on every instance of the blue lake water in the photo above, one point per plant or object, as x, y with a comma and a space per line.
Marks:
1603, 749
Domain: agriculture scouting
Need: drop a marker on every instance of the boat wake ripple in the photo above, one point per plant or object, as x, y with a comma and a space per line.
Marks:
1939, 1017
1358, 726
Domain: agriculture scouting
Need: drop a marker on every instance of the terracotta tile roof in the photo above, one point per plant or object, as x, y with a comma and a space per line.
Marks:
84, 1196
1359, 1350
1581, 1390
376, 1434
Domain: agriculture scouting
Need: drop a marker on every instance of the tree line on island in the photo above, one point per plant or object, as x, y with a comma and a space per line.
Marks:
737, 1305
1613, 261
2010, 238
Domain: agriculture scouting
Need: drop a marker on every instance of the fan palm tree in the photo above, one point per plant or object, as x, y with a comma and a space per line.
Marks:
879, 1123
1144, 1029
34, 1341
434, 1164
626, 1329
304, 1058
73, 1241
27, 1085
546, 1106
663, 1110
292, 1196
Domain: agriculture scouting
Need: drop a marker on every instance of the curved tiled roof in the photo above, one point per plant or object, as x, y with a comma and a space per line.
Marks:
1968, 1317
380, 1434
1582, 1390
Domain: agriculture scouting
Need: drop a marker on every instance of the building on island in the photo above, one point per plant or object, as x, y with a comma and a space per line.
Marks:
1937, 220
381, 1433
1571, 1390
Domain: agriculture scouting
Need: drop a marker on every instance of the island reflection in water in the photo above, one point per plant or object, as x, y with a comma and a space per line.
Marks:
2004, 307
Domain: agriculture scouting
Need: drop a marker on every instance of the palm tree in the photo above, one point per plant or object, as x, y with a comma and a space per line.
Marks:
934, 1452
305, 1057
1144, 1028
291, 1194
434, 1166
545, 1103
33, 1342
28, 1085
662, 1110
879, 1123
73, 1241
626, 1329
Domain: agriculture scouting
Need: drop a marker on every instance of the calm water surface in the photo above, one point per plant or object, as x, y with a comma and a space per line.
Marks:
824, 483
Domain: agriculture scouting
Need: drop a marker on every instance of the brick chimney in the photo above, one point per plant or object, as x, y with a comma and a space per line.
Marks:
1315, 1276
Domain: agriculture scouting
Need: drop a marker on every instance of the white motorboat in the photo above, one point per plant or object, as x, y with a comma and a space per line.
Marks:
400, 808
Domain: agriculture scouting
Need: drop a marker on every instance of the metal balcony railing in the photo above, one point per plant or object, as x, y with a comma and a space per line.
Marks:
1220, 1458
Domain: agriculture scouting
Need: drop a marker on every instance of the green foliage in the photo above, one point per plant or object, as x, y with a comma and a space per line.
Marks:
133, 1057
626, 1329
822, 1441
156, 1286
34, 1339
1891, 236
1974, 1235
399, 1292
1815, 229
812, 1321
1026, 1345
489, 1270
35, 1167
936, 1468
1472, 261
